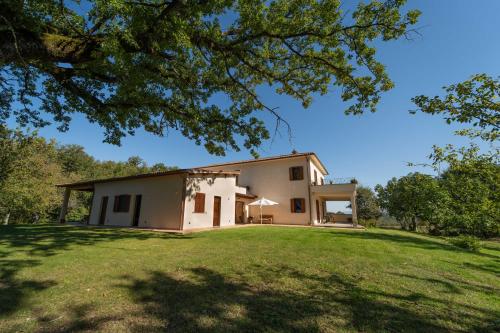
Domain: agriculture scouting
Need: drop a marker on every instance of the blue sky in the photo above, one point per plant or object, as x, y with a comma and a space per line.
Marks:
458, 38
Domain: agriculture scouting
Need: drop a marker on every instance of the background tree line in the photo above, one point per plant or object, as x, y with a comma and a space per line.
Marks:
30, 166
464, 199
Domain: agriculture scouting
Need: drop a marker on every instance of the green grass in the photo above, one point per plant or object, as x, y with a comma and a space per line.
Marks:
63, 278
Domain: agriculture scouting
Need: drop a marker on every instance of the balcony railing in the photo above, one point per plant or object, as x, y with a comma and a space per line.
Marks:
344, 180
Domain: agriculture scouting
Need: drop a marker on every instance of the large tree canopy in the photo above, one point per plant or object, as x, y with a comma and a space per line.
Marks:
157, 64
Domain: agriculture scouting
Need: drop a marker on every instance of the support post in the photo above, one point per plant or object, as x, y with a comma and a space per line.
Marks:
354, 210
64, 207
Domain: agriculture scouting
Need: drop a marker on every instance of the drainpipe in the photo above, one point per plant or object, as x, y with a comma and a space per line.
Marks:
308, 159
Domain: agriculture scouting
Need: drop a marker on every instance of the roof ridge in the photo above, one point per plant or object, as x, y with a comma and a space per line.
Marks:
262, 159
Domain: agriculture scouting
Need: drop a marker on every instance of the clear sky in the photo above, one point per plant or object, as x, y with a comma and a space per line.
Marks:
458, 38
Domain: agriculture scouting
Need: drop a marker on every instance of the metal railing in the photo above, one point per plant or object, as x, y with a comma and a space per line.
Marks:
343, 180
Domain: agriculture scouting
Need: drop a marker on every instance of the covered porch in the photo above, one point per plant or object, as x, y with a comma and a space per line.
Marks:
68, 188
321, 194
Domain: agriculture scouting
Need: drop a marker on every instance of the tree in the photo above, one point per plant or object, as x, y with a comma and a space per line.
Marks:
472, 181
74, 160
414, 197
28, 193
158, 64
9, 146
367, 204
475, 101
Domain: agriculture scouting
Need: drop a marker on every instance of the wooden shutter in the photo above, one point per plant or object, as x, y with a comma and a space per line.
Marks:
125, 205
303, 205
292, 205
296, 173
199, 203
115, 203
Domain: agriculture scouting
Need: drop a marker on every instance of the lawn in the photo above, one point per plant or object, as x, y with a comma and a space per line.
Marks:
64, 278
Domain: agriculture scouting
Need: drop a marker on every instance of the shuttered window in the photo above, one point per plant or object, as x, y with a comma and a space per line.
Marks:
199, 203
296, 173
298, 205
121, 203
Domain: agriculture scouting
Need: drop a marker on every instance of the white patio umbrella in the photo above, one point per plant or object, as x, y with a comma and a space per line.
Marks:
262, 202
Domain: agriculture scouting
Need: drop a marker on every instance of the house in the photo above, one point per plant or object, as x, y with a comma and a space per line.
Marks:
217, 195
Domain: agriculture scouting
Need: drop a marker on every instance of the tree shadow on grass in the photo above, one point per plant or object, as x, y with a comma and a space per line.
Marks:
490, 268
76, 318
207, 301
409, 239
452, 285
47, 240
14, 291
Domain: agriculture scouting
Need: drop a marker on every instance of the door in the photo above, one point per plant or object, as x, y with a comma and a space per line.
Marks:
104, 208
137, 210
217, 211
239, 212
318, 215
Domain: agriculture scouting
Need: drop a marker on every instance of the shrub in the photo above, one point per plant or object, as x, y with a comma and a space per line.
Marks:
368, 223
470, 243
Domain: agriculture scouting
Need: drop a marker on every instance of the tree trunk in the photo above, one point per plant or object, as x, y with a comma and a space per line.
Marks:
414, 224
6, 219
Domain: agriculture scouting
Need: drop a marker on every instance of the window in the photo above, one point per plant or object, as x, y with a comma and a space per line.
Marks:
315, 178
298, 205
297, 173
121, 203
199, 203
322, 181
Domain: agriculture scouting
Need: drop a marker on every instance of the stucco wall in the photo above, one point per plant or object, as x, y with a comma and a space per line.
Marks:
270, 179
221, 186
321, 176
315, 168
160, 205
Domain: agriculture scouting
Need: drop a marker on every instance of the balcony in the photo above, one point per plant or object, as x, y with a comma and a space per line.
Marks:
336, 189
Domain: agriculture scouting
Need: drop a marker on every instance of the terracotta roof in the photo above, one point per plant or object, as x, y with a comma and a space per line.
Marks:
246, 196
90, 183
264, 159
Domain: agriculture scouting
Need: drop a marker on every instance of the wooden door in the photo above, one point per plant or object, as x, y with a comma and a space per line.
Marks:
239, 216
318, 215
137, 210
217, 201
104, 208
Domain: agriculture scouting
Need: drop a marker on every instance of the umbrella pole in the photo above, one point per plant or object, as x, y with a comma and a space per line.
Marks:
260, 214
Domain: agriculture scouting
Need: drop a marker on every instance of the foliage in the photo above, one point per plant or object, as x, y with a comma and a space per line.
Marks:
464, 199
367, 206
413, 197
475, 101
470, 243
31, 166
473, 182
158, 64
368, 223
27, 193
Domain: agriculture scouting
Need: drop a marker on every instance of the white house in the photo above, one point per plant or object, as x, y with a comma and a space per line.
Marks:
218, 195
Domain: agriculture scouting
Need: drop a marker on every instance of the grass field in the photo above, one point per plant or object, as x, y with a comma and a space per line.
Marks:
63, 278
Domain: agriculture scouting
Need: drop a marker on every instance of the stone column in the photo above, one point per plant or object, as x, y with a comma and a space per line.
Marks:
64, 207
354, 210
